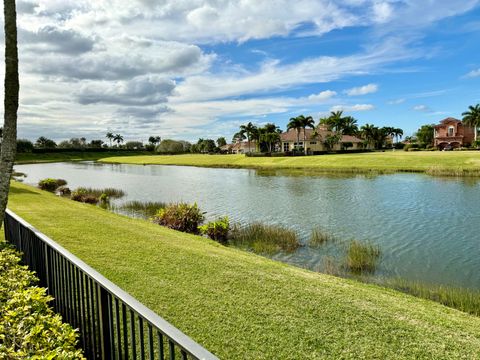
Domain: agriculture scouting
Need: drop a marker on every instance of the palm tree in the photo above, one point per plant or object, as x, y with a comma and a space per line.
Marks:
349, 126
398, 133
368, 133
250, 131
118, 139
11, 90
306, 122
472, 118
296, 124
110, 137
238, 137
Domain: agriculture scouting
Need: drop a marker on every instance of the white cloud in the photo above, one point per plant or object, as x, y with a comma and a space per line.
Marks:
322, 96
396, 101
356, 107
473, 73
422, 108
362, 90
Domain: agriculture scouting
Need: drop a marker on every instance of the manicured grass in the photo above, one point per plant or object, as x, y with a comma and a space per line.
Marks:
243, 306
433, 162
26, 158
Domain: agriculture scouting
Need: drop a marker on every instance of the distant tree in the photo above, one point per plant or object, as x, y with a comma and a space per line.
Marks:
269, 135
45, 143
221, 141
154, 140
306, 121
346, 145
110, 137
169, 146
96, 144
118, 139
332, 140
134, 145
24, 146
471, 117
346, 125
398, 133
238, 137
295, 123
11, 89
368, 133
249, 131
425, 135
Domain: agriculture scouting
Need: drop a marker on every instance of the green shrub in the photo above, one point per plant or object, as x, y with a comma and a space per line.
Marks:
64, 191
181, 216
50, 184
362, 257
265, 239
29, 329
216, 230
82, 195
110, 192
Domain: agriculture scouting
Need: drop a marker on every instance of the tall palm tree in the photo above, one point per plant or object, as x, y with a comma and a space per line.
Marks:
349, 126
368, 133
472, 118
110, 137
118, 139
250, 131
11, 89
238, 137
398, 133
296, 124
306, 122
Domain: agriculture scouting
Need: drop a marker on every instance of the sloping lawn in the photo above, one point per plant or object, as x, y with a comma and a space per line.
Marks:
435, 162
243, 306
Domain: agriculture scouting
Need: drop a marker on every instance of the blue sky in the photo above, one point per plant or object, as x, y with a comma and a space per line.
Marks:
201, 68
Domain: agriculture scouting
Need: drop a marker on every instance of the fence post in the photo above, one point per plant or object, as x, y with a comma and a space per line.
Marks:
106, 324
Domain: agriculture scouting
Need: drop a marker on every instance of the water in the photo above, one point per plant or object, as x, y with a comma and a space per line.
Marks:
427, 228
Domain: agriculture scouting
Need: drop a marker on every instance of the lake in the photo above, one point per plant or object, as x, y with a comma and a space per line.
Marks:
427, 228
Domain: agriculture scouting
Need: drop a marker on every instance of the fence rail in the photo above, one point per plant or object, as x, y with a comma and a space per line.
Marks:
112, 324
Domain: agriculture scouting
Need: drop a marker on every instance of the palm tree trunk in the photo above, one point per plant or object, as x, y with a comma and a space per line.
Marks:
248, 138
305, 140
298, 139
11, 88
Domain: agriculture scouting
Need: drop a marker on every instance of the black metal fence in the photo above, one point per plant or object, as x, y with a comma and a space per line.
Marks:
112, 324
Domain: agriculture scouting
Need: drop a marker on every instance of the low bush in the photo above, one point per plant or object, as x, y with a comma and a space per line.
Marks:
217, 230
29, 329
181, 216
50, 184
261, 238
82, 195
362, 257
64, 191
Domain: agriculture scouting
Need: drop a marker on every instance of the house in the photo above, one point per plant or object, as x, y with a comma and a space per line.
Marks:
452, 133
240, 147
315, 141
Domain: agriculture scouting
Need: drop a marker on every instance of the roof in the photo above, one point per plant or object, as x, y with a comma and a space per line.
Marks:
291, 136
449, 120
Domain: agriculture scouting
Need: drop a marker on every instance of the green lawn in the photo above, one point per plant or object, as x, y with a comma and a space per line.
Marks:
23, 158
435, 162
243, 306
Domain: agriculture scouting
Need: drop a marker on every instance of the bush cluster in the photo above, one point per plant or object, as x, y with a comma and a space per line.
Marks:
180, 216
29, 329
82, 195
50, 184
217, 230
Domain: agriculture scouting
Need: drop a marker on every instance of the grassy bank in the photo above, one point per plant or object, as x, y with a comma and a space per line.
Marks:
433, 162
28, 158
240, 305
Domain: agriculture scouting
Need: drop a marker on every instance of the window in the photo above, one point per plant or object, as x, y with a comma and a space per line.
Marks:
450, 131
285, 146
313, 143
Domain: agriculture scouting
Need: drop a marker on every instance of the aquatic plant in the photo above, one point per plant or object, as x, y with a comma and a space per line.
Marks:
318, 237
361, 257
462, 299
110, 192
145, 209
180, 216
262, 238
217, 230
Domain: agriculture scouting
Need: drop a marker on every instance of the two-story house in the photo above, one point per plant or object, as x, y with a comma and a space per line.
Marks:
452, 133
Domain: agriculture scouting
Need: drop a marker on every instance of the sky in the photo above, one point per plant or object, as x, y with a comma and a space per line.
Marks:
185, 69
